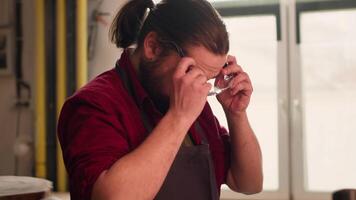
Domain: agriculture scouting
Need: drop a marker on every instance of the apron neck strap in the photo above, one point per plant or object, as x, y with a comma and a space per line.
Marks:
129, 88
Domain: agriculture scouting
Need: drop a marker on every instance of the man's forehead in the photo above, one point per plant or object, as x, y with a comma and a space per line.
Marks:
208, 61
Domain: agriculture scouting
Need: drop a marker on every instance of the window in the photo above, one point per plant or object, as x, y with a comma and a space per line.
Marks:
328, 96
303, 109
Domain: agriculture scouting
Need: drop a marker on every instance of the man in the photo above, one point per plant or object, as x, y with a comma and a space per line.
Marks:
144, 130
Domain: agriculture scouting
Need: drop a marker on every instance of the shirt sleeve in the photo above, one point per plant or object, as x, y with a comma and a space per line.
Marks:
92, 140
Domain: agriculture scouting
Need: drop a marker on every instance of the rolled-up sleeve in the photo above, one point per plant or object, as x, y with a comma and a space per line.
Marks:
92, 140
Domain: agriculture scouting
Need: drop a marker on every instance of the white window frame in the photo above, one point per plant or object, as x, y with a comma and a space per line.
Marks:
297, 110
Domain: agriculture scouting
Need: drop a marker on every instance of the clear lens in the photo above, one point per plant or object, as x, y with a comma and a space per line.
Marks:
220, 84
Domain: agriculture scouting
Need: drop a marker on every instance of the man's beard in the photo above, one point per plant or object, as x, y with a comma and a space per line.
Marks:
153, 84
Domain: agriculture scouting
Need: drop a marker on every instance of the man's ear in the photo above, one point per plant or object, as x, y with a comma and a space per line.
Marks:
151, 47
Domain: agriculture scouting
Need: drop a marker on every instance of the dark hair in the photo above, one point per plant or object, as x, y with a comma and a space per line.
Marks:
185, 22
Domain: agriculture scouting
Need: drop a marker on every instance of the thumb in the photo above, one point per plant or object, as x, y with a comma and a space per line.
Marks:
183, 66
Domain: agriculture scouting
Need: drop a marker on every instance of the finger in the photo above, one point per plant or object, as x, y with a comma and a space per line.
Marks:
206, 88
242, 87
232, 66
240, 77
195, 72
231, 59
231, 69
201, 79
183, 66
248, 78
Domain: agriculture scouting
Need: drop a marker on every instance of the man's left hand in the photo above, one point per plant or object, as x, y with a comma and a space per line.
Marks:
237, 98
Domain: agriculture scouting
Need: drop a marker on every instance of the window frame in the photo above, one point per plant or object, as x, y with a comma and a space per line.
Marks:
297, 108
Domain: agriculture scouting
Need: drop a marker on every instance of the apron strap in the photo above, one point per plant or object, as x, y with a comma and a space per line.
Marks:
201, 132
130, 90
124, 79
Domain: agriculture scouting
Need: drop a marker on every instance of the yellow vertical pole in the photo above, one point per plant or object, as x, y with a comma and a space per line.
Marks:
81, 38
40, 114
61, 84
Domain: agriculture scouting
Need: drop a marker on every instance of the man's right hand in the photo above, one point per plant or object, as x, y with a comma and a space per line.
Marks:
189, 90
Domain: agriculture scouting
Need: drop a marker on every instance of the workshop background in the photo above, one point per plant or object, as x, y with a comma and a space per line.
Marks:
300, 54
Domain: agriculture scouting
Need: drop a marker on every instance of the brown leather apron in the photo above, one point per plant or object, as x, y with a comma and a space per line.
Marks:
192, 174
